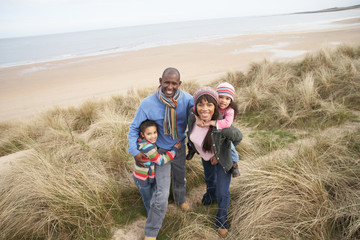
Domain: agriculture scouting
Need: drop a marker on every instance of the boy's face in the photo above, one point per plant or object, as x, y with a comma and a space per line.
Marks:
150, 134
224, 102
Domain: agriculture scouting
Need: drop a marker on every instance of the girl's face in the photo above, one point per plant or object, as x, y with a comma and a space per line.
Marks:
205, 110
150, 134
224, 102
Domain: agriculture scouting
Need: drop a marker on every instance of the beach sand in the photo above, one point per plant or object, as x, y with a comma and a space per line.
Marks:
30, 89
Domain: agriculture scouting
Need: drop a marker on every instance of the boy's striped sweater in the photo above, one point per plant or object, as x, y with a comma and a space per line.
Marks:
152, 157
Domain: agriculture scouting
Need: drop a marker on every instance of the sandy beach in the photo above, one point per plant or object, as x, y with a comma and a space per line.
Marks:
29, 89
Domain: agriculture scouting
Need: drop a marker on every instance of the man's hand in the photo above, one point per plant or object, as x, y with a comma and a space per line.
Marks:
177, 145
138, 160
213, 160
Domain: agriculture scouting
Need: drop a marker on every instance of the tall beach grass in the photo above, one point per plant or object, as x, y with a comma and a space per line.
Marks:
317, 90
311, 193
73, 180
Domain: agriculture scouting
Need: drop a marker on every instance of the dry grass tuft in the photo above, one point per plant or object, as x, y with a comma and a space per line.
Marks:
189, 87
63, 194
197, 226
322, 88
309, 194
13, 137
127, 105
107, 140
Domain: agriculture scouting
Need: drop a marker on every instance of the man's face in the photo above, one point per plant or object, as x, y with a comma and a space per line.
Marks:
170, 83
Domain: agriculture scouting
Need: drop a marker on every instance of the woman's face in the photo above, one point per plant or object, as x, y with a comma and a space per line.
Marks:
205, 109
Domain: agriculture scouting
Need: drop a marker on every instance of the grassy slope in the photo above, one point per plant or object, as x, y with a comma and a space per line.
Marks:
299, 161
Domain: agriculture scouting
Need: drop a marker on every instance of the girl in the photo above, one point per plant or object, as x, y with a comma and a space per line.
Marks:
228, 109
214, 147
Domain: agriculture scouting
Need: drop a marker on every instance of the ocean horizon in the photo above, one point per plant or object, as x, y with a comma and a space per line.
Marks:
36, 49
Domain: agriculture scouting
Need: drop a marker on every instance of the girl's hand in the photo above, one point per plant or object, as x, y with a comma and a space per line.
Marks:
177, 145
199, 122
213, 160
210, 123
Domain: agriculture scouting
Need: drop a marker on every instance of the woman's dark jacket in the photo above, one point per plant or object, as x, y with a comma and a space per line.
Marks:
221, 141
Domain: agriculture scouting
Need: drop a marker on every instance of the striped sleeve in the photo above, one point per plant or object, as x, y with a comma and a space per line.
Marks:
152, 154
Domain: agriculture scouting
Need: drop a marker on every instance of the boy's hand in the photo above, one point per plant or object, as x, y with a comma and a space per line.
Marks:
177, 145
138, 160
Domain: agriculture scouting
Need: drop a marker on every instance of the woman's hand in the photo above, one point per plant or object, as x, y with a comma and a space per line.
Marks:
213, 160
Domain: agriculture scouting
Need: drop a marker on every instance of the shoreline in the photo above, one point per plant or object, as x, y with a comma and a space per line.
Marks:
347, 22
30, 89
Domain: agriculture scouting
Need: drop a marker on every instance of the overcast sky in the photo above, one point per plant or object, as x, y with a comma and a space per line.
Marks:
33, 17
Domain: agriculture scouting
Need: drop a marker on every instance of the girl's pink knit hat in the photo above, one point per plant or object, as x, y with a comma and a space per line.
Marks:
226, 89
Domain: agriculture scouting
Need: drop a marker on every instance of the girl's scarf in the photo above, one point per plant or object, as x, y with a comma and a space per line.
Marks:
170, 125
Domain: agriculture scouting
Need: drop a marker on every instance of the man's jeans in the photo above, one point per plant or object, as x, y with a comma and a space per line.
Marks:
217, 183
159, 200
146, 189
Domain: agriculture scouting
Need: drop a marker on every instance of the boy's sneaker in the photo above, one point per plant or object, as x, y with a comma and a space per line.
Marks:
223, 232
235, 170
149, 238
185, 207
190, 153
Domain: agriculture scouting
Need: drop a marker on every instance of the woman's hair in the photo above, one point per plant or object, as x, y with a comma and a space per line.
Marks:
207, 143
145, 124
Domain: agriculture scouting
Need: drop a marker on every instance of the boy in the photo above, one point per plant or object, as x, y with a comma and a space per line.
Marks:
144, 177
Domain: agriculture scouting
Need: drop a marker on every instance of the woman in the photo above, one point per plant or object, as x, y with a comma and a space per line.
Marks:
214, 147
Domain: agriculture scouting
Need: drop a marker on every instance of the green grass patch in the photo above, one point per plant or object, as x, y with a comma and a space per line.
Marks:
132, 207
272, 140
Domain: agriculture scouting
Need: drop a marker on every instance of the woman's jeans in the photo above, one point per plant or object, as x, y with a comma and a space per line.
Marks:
217, 187
146, 188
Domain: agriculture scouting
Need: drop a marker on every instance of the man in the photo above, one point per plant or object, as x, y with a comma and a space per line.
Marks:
169, 108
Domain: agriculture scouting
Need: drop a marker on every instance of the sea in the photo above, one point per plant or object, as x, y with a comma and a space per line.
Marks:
45, 48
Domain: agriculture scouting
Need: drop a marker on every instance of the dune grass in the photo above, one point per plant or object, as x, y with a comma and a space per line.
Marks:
312, 193
62, 194
299, 162
317, 90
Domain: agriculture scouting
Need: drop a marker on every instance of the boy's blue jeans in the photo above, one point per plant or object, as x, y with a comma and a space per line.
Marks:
217, 186
146, 189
